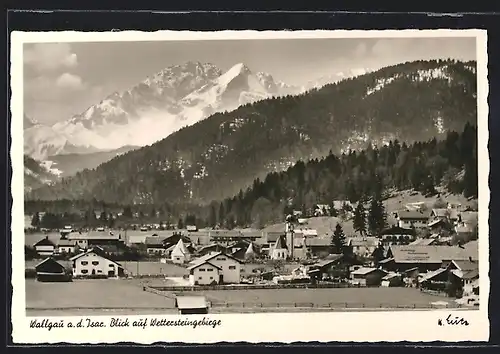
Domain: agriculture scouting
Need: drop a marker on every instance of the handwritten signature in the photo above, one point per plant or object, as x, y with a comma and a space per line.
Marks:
453, 321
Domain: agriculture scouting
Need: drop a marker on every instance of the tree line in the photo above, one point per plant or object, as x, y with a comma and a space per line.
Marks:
366, 176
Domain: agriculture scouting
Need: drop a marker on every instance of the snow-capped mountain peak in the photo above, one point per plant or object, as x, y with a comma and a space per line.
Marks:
175, 97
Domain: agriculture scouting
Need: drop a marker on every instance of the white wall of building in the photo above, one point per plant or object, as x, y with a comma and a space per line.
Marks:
93, 264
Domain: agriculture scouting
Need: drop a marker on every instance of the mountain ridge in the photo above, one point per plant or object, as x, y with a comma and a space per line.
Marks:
161, 103
222, 154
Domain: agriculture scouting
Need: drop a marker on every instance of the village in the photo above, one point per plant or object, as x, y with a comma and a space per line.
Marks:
427, 257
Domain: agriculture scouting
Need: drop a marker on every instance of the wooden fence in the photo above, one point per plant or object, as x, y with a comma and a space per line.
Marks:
254, 287
331, 305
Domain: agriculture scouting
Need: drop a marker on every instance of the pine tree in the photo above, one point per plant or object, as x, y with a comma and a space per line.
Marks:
222, 214
212, 219
359, 221
103, 217
180, 224
377, 218
338, 243
35, 220
127, 212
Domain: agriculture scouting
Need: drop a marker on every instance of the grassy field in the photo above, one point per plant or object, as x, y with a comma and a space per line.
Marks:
99, 295
126, 297
154, 268
341, 297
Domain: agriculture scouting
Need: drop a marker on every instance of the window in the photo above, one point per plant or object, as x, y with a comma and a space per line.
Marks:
210, 270
84, 271
221, 259
84, 262
95, 263
211, 278
111, 265
202, 269
232, 267
99, 271
200, 278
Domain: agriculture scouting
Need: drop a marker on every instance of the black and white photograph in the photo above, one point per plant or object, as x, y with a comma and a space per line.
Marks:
270, 175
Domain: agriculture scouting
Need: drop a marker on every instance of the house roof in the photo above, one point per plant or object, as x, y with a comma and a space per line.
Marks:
47, 260
435, 222
272, 236
445, 212
423, 242
390, 276
44, 242
465, 265
469, 216
280, 243
93, 250
326, 262
396, 230
413, 214
210, 256
366, 270
430, 275
65, 243
154, 240
363, 241
199, 264
191, 302
430, 254
235, 234
180, 248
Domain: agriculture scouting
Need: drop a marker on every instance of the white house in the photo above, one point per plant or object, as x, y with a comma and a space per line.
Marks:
45, 247
279, 251
180, 254
92, 263
204, 274
66, 246
225, 267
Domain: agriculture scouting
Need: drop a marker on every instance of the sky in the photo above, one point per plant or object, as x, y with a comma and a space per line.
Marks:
64, 79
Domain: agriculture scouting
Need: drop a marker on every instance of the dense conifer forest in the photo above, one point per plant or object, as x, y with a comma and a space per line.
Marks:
368, 175
228, 152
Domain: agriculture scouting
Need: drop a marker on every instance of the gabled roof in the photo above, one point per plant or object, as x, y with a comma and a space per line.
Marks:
430, 275
280, 244
44, 242
65, 243
154, 240
196, 265
191, 302
431, 254
465, 265
210, 256
250, 250
180, 248
423, 242
47, 260
98, 253
413, 214
367, 270
363, 241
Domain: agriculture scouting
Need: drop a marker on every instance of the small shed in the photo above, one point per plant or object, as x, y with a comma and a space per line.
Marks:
392, 280
368, 276
50, 270
191, 305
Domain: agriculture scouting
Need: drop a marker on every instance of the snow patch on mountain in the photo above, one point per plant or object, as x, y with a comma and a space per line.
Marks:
176, 97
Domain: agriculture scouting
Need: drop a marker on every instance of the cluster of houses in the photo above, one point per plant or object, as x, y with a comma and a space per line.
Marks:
219, 256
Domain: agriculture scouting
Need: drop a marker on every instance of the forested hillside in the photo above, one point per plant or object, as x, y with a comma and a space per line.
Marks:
450, 164
217, 157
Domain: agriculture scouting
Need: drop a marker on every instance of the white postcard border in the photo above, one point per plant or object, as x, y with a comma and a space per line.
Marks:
392, 326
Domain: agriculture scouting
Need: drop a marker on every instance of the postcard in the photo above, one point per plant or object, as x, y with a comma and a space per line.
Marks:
250, 186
